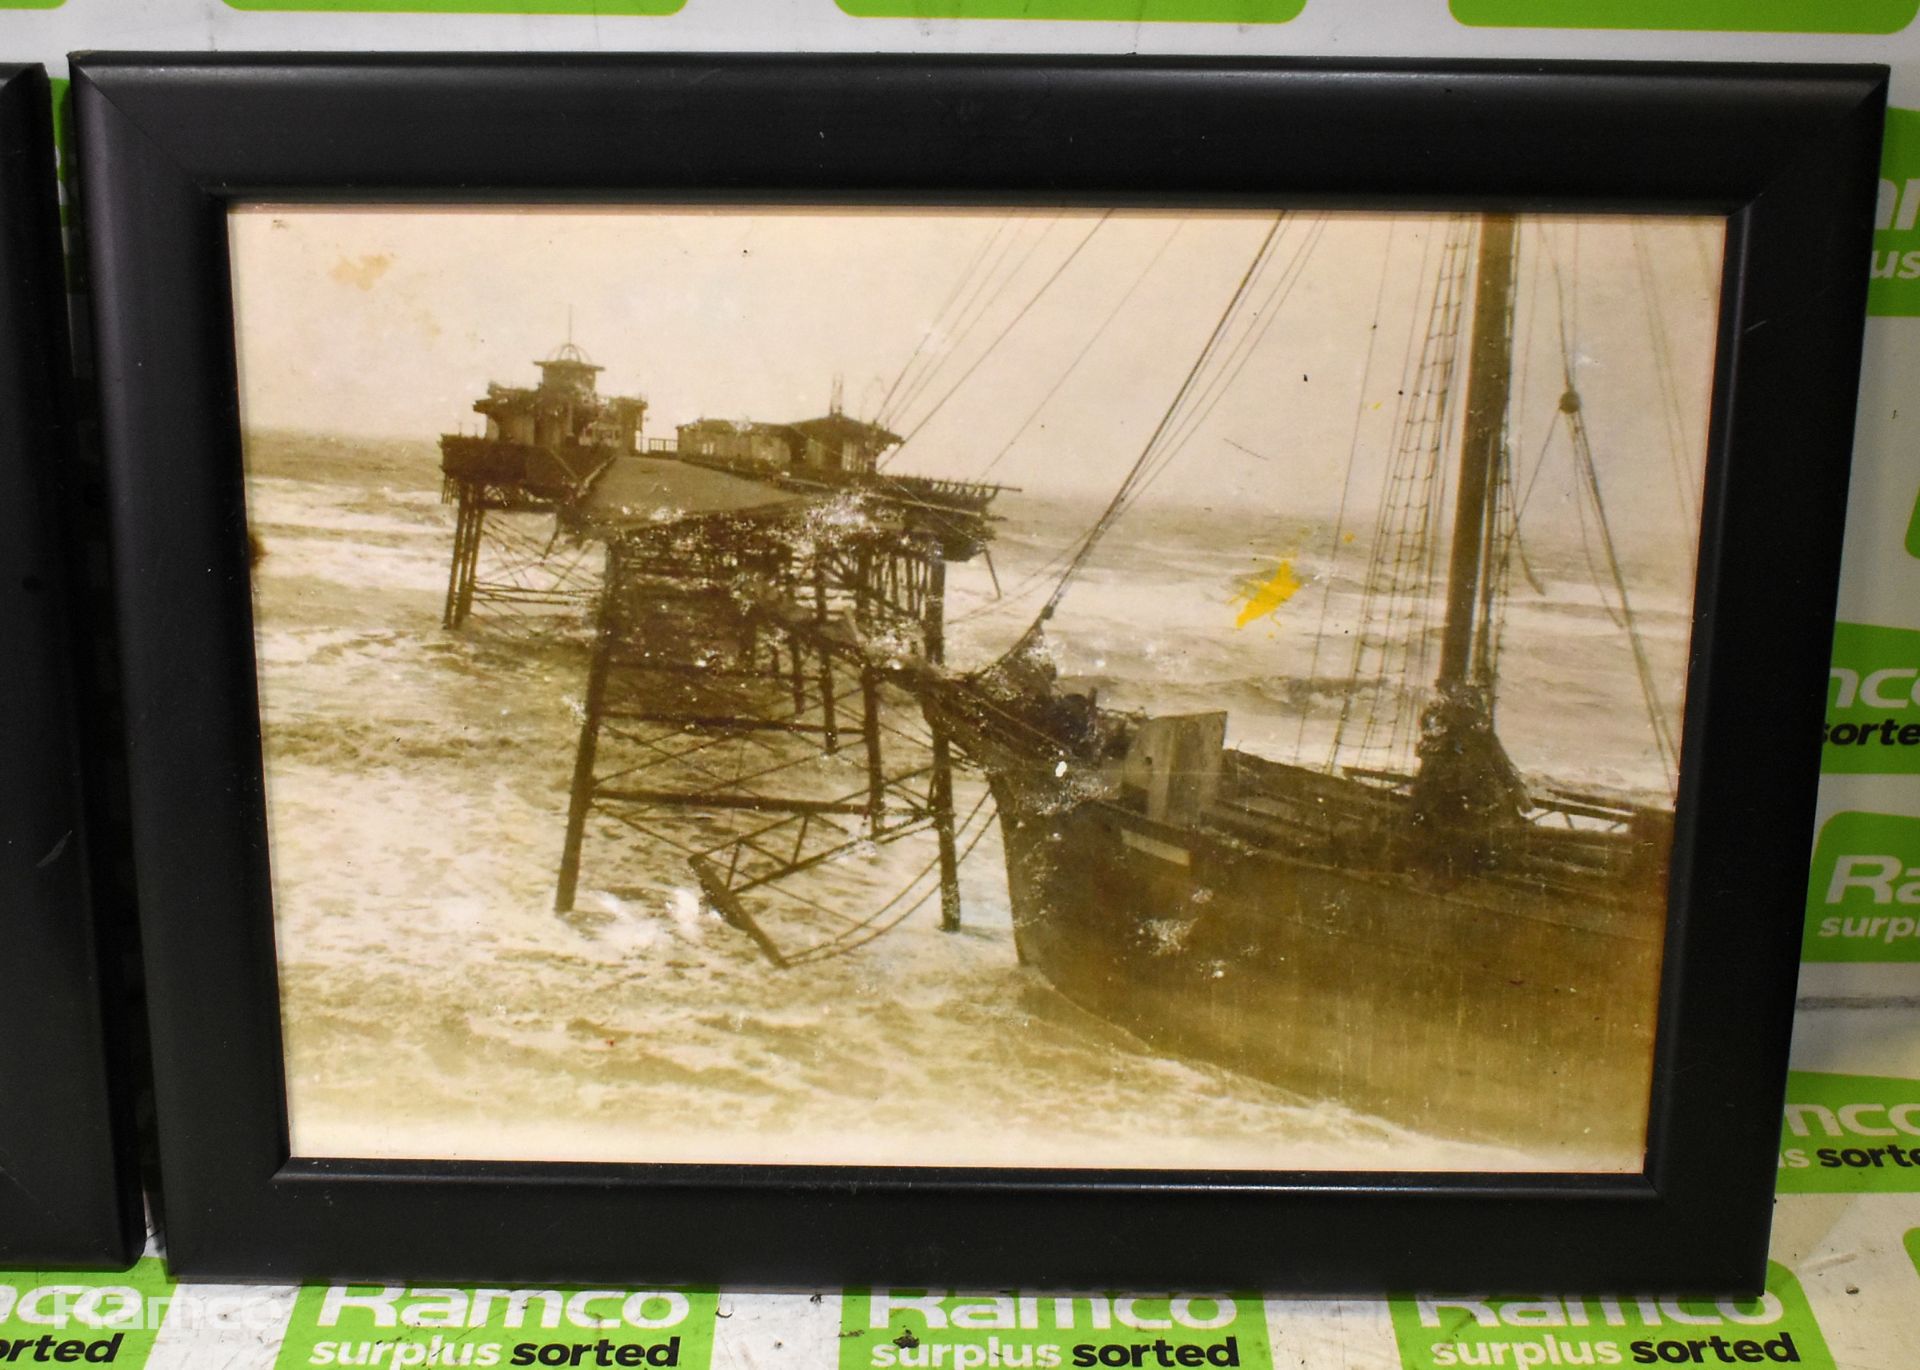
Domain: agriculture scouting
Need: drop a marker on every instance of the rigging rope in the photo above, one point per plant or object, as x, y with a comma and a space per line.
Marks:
1671, 408
1001, 337
1187, 424
933, 324
1589, 476
1402, 560
1346, 484
1656, 714
1236, 361
1105, 521
844, 941
975, 308
1036, 578
1081, 355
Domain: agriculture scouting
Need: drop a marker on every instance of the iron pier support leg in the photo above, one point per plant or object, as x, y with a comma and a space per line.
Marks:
453, 562
830, 725
942, 796
465, 530
582, 800
869, 692
870, 725
940, 791
470, 570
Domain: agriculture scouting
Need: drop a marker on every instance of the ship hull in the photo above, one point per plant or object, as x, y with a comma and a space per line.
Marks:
1478, 1008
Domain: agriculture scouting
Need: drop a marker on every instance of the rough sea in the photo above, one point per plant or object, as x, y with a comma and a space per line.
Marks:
435, 1006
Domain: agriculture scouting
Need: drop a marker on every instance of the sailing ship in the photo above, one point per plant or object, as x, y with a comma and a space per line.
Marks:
1452, 947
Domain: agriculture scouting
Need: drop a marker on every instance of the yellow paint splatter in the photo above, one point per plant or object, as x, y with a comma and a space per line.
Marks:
362, 273
1280, 587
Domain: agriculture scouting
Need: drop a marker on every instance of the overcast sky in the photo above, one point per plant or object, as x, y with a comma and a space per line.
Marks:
389, 323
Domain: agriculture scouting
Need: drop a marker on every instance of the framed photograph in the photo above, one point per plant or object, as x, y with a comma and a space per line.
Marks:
962, 672
69, 1188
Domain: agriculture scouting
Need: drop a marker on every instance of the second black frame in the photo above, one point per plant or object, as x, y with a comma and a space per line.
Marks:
69, 1179
1788, 154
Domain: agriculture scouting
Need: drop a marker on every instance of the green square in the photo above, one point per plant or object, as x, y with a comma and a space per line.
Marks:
1719, 16
600, 8
1117, 11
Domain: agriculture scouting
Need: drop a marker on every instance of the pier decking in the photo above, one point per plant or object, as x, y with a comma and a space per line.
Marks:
634, 492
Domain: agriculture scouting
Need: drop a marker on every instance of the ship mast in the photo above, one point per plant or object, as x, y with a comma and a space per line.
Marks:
1489, 388
1466, 786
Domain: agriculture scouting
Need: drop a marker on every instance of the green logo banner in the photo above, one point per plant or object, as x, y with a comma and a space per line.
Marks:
1863, 890
342, 1324
601, 8
1895, 282
83, 1319
1850, 1134
1126, 11
1873, 702
1724, 16
903, 1329
1477, 1329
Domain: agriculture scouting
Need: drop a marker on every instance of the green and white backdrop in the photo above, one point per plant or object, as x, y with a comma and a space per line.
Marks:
1845, 1286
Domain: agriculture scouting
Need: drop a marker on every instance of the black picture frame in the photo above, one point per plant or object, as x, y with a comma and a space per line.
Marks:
1787, 153
69, 1185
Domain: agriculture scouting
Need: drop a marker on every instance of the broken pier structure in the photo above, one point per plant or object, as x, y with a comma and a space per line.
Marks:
750, 702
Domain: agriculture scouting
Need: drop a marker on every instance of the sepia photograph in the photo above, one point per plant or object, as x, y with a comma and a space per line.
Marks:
1142, 689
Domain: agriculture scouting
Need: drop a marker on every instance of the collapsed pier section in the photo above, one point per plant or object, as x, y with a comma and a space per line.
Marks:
750, 702
760, 633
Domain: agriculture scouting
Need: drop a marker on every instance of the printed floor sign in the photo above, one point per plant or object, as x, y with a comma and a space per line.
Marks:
1850, 1134
68, 1318
1437, 1332
1894, 285
663, 1329
1873, 702
1863, 890
898, 1329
